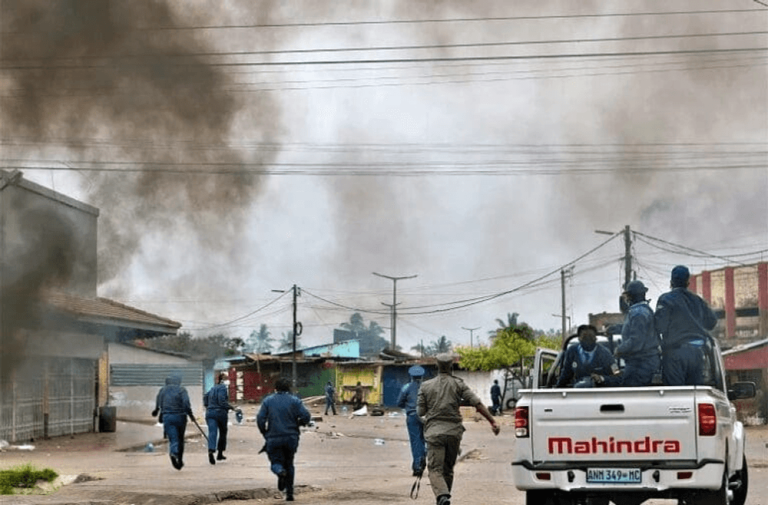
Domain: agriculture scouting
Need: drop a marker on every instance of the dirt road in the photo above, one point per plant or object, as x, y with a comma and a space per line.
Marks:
339, 461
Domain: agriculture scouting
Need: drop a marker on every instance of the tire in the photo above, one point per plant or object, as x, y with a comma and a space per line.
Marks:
511, 404
719, 497
540, 498
740, 491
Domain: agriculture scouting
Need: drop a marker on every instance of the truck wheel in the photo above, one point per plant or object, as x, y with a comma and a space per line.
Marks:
511, 404
540, 498
719, 497
741, 479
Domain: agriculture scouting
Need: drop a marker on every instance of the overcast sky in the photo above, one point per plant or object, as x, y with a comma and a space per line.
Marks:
239, 147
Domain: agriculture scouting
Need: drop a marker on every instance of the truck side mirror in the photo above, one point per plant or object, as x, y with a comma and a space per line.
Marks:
742, 391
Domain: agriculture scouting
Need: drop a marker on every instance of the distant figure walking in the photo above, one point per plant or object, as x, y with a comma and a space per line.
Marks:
330, 398
496, 398
357, 400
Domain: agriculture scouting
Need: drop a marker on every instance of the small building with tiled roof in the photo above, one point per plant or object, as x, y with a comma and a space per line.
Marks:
54, 329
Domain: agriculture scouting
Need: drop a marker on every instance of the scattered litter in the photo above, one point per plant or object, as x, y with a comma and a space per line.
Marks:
25, 447
394, 414
150, 447
3, 445
362, 412
379, 441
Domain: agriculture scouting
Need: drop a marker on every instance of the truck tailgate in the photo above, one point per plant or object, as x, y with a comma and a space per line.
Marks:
608, 424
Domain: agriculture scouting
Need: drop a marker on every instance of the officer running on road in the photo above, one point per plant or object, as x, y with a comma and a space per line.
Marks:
175, 407
683, 319
438, 405
216, 402
279, 418
407, 400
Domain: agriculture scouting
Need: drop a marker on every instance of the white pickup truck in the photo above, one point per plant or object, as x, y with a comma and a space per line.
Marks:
628, 445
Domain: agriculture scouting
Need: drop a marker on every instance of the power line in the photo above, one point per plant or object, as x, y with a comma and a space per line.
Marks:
689, 249
429, 21
413, 47
430, 59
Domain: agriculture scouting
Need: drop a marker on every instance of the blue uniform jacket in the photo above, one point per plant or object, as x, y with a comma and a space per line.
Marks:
495, 391
574, 369
330, 393
639, 338
682, 316
408, 395
281, 414
217, 398
174, 398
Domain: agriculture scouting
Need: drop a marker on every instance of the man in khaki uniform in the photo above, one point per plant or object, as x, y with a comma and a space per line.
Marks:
438, 406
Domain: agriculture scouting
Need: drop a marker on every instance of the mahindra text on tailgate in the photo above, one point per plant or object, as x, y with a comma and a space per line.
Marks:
574, 427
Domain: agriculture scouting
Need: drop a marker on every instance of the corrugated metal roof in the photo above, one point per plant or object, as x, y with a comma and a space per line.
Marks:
102, 310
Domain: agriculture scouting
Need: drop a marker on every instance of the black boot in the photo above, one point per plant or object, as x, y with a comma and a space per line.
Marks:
221, 457
444, 499
281, 480
210, 458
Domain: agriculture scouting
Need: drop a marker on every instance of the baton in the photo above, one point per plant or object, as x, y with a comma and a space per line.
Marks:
199, 428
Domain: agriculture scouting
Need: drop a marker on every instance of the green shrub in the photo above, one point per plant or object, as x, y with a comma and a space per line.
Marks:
23, 476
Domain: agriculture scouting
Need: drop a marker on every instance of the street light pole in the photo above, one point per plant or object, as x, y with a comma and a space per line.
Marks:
394, 303
470, 330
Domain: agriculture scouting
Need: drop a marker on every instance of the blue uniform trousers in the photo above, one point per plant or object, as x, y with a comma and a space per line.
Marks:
175, 425
281, 451
637, 372
416, 436
217, 419
683, 366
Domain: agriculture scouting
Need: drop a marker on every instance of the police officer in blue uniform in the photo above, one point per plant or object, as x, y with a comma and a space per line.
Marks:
407, 400
496, 398
279, 418
216, 402
639, 343
683, 319
580, 361
175, 407
330, 398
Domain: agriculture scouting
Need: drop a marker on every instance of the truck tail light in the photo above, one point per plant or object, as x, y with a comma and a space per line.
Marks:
521, 422
707, 420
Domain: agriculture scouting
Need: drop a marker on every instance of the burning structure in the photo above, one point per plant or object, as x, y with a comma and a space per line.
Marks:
54, 329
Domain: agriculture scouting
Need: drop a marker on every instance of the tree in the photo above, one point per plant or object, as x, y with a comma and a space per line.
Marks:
286, 341
420, 348
261, 341
507, 349
211, 346
511, 322
440, 346
371, 341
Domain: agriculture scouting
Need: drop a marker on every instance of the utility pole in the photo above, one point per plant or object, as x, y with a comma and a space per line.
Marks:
394, 303
470, 330
562, 301
297, 328
295, 331
627, 253
627, 256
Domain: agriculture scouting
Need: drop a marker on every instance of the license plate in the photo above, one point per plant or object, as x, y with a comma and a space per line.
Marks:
614, 476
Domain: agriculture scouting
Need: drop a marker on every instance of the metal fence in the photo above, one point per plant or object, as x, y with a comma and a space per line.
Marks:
48, 397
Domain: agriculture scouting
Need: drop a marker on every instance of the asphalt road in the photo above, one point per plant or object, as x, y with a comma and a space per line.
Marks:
339, 461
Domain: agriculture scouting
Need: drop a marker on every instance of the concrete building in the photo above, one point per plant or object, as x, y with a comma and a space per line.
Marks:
54, 329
